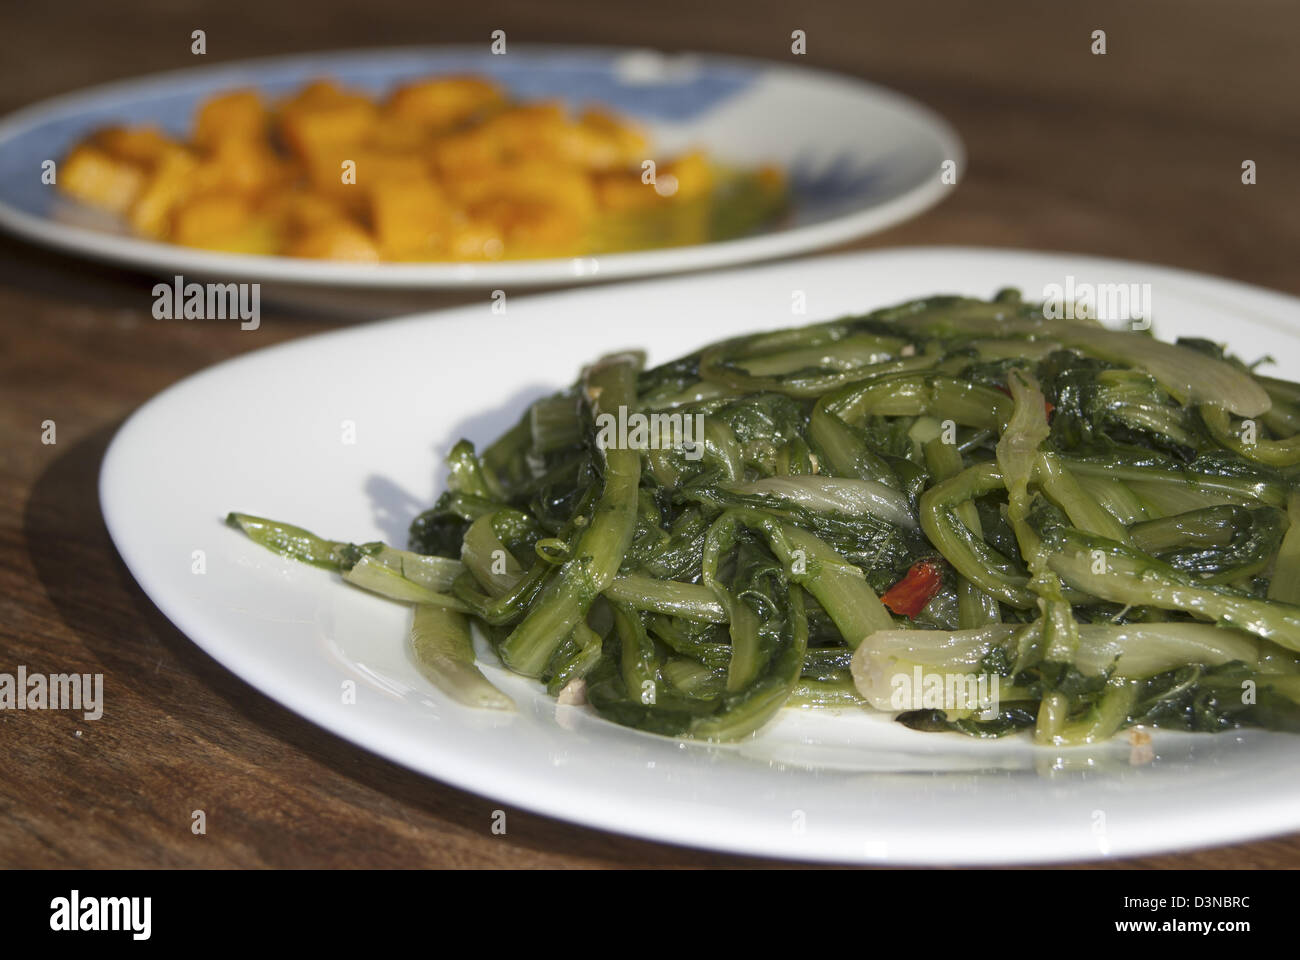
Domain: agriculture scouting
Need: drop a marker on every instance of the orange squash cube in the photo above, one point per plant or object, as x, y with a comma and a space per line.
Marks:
213, 220
624, 191
300, 211
144, 146
410, 219
609, 144
240, 115
468, 150
171, 181
537, 182
693, 176
335, 240
378, 168
536, 229
240, 166
442, 102
94, 177
323, 117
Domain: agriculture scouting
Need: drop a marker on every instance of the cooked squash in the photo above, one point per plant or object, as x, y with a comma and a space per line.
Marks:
237, 116
441, 168
95, 177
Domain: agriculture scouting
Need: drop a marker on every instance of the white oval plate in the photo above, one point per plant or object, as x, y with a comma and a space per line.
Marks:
860, 158
265, 434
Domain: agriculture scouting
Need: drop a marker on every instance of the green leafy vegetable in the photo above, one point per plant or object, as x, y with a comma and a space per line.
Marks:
1076, 530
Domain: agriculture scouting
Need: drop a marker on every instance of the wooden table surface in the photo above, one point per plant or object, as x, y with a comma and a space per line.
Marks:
1133, 154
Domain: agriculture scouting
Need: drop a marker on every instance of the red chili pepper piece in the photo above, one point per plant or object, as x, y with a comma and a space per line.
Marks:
910, 595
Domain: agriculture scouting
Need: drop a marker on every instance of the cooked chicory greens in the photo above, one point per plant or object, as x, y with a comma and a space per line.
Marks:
1099, 526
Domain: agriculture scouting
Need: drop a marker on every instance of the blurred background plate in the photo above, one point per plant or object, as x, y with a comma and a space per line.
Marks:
859, 158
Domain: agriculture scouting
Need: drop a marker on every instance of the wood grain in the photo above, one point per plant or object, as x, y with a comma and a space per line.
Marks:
1136, 154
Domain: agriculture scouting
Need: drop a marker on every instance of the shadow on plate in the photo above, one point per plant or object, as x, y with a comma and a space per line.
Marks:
395, 507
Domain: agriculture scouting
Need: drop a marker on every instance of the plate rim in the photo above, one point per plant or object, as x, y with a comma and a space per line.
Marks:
1278, 815
150, 255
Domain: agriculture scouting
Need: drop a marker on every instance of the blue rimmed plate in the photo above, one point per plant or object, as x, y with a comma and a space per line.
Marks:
860, 158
